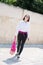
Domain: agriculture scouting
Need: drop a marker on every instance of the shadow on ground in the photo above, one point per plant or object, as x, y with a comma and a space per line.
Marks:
11, 60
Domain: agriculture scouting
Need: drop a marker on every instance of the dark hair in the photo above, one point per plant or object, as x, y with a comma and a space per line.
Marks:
26, 16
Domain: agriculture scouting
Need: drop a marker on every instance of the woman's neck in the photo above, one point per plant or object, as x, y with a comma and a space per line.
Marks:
25, 21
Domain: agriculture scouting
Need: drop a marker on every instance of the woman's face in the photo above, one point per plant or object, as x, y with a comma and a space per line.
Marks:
26, 18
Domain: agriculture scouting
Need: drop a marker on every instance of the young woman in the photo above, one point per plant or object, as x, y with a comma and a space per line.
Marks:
22, 33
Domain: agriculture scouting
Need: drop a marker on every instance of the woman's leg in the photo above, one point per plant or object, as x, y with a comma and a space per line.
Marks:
19, 42
24, 37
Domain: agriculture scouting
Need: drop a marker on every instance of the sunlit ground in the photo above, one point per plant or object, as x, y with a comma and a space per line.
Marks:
31, 55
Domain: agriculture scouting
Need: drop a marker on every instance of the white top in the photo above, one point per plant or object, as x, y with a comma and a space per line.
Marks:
24, 27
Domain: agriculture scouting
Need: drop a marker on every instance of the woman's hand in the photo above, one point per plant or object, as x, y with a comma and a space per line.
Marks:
28, 38
15, 37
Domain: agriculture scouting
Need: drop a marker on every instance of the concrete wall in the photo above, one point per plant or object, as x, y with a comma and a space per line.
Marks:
36, 31
9, 18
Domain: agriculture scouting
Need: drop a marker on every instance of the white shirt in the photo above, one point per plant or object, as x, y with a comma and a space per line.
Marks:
24, 27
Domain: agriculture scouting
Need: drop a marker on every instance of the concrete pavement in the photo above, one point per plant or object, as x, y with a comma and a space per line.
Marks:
31, 55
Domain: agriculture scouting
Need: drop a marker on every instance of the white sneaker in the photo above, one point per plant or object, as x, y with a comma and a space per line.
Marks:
18, 56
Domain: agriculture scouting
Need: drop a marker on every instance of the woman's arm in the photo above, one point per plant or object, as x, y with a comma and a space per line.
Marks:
28, 31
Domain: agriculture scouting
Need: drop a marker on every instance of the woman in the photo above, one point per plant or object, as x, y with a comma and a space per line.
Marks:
22, 33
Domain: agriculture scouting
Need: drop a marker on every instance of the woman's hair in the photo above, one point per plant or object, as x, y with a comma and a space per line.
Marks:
26, 16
